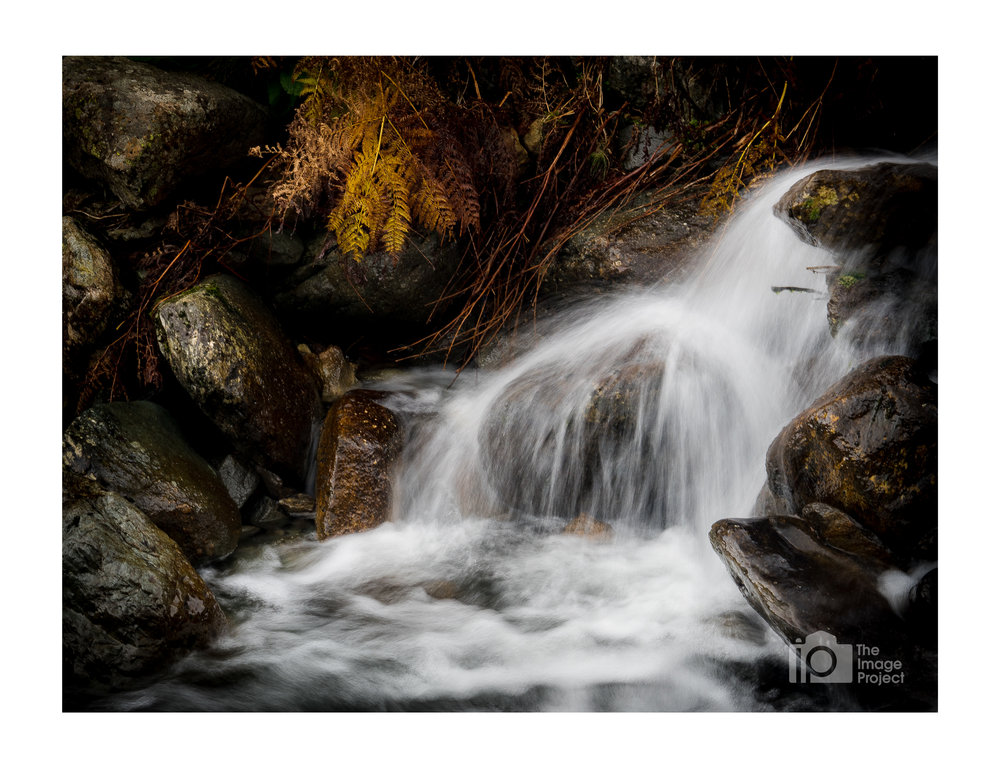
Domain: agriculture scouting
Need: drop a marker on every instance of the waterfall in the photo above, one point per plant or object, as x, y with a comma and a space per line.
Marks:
650, 411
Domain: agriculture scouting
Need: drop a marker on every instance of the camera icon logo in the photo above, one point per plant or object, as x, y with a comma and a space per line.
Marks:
820, 659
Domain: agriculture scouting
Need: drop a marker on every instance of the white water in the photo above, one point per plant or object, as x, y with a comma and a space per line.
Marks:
471, 598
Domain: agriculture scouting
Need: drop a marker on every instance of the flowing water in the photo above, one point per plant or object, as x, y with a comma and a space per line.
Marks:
651, 412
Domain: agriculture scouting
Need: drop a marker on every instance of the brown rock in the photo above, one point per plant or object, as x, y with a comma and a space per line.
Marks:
588, 527
360, 442
869, 448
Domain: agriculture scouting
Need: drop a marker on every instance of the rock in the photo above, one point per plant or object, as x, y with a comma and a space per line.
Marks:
800, 584
266, 514
872, 210
239, 481
143, 131
299, 506
549, 447
360, 443
136, 450
868, 447
228, 352
636, 79
643, 242
92, 295
132, 603
387, 297
333, 371
881, 222
586, 526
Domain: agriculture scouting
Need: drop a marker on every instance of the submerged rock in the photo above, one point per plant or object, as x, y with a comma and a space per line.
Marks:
227, 350
144, 131
360, 443
136, 450
132, 602
868, 447
553, 447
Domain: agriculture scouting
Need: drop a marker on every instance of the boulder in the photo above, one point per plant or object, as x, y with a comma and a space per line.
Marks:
642, 242
801, 583
136, 450
228, 352
868, 447
143, 131
92, 295
553, 447
333, 371
872, 210
388, 297
881, 223
132, 602
360, 443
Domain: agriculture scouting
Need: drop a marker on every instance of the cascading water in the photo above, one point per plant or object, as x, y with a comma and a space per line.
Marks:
651, 412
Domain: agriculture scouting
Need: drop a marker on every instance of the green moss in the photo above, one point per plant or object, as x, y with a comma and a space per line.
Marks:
849, 279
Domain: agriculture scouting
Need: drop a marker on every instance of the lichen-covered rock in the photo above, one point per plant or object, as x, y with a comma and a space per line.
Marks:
143, 131
360, 443
880, 221
390, 297
91, 293
874, 209
136, 450
132, 602
228, 351
868, 447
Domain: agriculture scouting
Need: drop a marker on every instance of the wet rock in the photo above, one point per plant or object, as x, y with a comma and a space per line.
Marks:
333, 371
132, 602
360, 442
92, 295
643, 242
228, 352
266, 514
239, 481
299, 506
136, 450
800, 584
143, 131
383, 294
586, 526
868, 447
871, 210
881, 222
550, 447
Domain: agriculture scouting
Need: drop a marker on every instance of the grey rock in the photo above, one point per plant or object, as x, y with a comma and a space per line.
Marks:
132, 602
143, 131
136, 450
229, 353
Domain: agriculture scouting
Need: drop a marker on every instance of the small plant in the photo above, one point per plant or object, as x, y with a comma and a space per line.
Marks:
850, 279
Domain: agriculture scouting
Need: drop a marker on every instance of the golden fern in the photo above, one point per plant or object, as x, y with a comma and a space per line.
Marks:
363, 150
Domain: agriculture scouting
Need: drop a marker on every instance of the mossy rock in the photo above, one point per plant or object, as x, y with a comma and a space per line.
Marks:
873, 209
868, 447
144, 131
136, 450
229, 353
